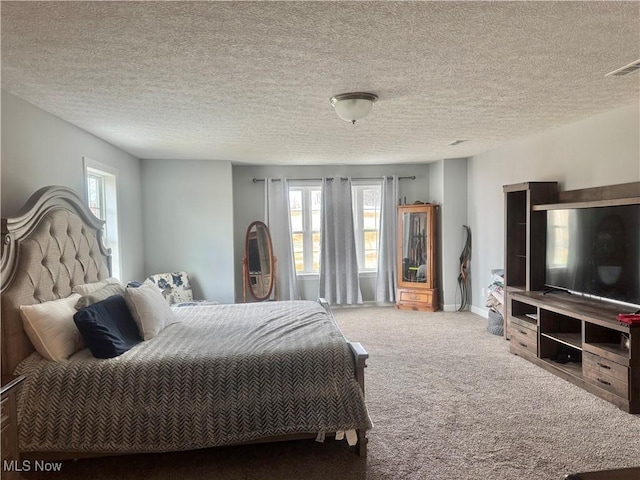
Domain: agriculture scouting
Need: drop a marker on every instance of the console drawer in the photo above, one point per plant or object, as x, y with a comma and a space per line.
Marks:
524, 331
527, 341
606, 374
523, 323
604, 366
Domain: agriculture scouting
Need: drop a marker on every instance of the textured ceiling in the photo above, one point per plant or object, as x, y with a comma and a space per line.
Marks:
250, 82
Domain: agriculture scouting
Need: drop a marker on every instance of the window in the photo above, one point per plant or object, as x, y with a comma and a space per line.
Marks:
101, 184
95, 194
366, 216
305, 204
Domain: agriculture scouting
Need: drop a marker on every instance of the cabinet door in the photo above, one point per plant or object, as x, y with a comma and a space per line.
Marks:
415, 258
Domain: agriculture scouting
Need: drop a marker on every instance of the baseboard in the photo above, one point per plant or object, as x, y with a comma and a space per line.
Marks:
449, 308
445, 308
369, 303
480, 311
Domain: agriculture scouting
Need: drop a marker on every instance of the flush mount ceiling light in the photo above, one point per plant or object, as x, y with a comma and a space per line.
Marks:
353, 106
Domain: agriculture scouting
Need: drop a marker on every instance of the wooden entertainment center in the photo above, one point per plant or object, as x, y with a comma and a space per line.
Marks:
573, 336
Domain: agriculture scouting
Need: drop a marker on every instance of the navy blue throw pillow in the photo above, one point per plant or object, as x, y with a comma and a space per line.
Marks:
107, 327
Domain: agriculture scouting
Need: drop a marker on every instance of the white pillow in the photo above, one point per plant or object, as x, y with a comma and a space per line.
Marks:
88, 288
50, 327
149, 309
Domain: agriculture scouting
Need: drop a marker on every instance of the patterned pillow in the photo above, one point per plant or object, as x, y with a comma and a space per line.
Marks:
175, 286
149, 309
50, 327
179, 295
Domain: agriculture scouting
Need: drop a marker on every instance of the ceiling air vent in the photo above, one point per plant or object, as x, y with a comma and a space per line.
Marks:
626, 70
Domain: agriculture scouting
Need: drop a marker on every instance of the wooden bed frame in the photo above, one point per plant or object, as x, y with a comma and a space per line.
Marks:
53, 244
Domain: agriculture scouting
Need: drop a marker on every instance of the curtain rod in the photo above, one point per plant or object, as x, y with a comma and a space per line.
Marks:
256, 180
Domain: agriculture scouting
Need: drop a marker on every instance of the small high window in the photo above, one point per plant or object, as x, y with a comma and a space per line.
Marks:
102, 196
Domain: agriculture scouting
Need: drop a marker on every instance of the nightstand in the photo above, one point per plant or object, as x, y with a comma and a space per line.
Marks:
9, 421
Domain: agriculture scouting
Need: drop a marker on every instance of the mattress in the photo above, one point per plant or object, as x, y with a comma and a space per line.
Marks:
223, 374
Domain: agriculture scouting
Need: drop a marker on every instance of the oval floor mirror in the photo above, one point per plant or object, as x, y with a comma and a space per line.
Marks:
259, 263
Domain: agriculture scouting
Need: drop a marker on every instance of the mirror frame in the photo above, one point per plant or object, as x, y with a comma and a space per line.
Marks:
258, 224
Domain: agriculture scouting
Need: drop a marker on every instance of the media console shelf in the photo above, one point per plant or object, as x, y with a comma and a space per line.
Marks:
580, 340
525, 254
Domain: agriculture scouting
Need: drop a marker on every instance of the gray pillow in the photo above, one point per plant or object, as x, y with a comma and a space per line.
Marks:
102, 294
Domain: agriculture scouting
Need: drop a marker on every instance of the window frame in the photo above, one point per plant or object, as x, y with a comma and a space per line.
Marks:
109, 200
101, 203
306, 188
357, 192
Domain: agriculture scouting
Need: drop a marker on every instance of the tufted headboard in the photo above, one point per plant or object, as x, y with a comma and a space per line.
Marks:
53, 244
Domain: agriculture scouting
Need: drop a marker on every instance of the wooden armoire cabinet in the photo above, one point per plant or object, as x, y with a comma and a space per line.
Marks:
416, 257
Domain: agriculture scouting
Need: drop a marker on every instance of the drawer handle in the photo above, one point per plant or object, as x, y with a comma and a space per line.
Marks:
523, 332
604, 382
602, 365
523, 344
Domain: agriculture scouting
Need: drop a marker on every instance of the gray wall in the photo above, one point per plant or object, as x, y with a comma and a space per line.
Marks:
188, 223
597, 151
448, 180
39, 149
248, 201
196, 213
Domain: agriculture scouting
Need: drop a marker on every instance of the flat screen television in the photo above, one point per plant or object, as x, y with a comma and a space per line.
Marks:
595, 251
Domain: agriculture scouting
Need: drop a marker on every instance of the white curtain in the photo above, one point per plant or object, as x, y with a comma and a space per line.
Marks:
278, 220
339, 282
386, 280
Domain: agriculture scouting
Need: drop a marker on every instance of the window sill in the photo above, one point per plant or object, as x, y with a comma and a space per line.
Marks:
368, 274
307, 275
304, 276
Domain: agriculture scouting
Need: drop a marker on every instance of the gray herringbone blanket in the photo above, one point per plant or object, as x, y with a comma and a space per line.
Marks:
224, 374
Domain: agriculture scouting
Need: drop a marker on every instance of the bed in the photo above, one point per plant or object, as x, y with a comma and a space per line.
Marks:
218, 375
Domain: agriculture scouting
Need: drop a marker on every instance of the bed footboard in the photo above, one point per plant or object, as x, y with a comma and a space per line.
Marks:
360, 357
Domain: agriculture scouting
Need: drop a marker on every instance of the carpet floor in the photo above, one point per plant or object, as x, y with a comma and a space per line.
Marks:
447, 401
